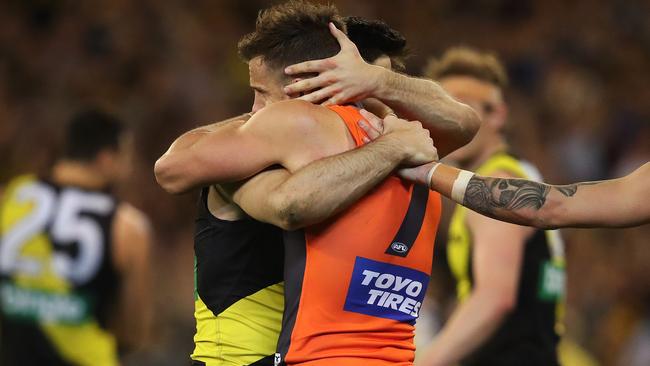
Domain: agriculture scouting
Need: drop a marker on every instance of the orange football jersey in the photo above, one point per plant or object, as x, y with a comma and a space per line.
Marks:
354, 285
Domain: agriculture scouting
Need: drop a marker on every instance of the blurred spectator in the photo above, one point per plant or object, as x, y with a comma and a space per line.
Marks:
579, 96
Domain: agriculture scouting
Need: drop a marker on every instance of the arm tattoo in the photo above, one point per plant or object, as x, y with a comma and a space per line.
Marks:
568, 190
571, 189
485, 194
488, 194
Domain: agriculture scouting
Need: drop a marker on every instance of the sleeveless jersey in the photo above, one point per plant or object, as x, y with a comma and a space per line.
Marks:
354, 285
529, 334
238, 290
57, 280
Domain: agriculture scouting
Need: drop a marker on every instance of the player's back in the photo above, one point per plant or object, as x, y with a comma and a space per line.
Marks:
354, 284
57, 278
239, 289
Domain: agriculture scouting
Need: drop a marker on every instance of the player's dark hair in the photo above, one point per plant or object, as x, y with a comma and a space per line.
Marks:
466, 61
292, 32
91, 131
375, 38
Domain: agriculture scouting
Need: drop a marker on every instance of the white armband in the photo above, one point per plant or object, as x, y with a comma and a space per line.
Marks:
460, 186
430, 174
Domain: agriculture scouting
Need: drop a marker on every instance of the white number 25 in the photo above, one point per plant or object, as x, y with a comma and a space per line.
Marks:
68, 227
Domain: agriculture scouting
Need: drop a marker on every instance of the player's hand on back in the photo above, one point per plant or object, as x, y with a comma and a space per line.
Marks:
408, 137
342, 78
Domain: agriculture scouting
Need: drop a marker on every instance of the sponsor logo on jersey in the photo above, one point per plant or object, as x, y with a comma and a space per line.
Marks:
41, 306
552, 282
277, 360
386, 290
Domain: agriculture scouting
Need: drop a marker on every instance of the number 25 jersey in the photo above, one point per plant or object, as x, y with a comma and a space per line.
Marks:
57, 280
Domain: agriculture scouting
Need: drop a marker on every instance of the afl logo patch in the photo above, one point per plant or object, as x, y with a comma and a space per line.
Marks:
399, 247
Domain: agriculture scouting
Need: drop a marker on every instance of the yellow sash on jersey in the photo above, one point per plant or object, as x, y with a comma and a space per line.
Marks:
244, 333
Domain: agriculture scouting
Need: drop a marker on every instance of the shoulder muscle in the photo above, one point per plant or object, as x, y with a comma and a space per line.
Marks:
301, 131
131, 235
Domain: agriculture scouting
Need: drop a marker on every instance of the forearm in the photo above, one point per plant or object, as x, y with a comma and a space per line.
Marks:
452, 124
473, 322
517, 201
131, 254
135, 318
177, 170
187, 163
325, 187
189, 138
618, 202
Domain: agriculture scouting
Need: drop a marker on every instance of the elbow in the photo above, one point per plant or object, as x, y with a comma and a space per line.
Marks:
290, 219
501, 303
504, 305
167, 177
289, 212
290, 224
471, 125
467, 126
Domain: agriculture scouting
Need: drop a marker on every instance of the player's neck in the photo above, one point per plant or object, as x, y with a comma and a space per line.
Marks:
78, 174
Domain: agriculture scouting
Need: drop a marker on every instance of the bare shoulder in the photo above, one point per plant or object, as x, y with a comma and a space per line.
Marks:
130, 219
295, 115
131, 235
305, 131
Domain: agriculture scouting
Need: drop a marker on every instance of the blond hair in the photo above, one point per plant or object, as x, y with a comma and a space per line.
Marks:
466, 61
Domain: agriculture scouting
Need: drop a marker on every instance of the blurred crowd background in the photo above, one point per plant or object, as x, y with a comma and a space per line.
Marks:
579, 99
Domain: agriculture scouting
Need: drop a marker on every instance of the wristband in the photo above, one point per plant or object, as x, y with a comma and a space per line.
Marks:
430, 174
460, 186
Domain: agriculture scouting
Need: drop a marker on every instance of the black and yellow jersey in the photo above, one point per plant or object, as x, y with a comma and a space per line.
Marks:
530, 333
239, 297
57, 280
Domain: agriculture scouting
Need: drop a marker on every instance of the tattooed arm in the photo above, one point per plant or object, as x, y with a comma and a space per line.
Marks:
496, 260
619, 202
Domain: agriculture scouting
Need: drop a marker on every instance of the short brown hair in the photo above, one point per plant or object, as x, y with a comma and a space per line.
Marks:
292, 32
465, 61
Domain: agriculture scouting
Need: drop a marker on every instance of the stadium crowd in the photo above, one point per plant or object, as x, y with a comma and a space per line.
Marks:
578, 72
